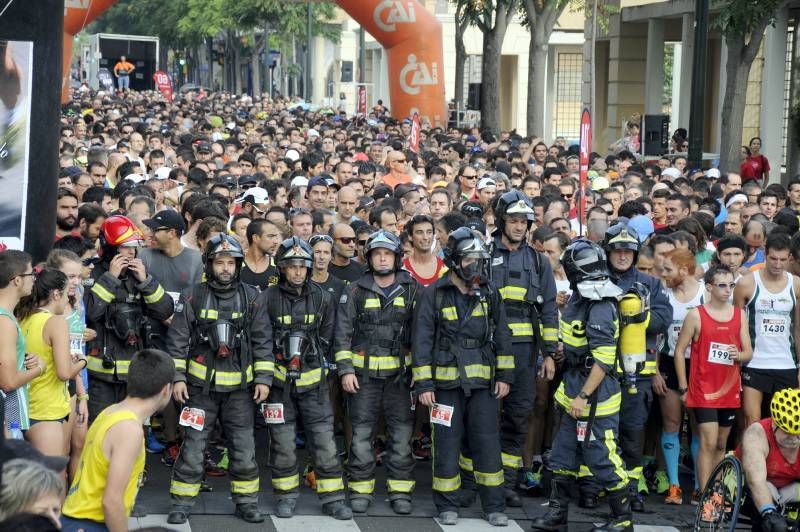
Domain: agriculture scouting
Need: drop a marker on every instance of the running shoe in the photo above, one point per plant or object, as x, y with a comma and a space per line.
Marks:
309, 477
170, 454
642, 486
152, 444
530, 481
661, 482
674, 495
419, 449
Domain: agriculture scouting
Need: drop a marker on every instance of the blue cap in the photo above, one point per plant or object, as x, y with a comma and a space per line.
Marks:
643, 226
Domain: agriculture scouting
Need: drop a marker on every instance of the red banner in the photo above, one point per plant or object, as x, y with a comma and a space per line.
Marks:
585, 150
361, 105
413, 139
163, 84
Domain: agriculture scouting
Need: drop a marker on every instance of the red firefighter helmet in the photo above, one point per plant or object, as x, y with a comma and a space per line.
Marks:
119, 230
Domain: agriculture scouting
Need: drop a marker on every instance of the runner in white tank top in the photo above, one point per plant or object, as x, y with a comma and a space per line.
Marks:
771, 320
679, 310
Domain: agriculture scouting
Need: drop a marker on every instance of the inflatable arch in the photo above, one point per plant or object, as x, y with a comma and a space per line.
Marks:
410, 34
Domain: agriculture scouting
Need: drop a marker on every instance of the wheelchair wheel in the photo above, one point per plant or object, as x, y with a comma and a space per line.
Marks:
721, 498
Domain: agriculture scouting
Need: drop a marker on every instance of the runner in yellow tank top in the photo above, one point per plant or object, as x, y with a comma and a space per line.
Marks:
105, 486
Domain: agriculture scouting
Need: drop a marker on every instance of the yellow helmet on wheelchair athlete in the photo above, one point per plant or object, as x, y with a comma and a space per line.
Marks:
785, 410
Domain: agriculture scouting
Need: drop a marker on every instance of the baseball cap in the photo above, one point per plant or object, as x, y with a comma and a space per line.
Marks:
71, 171
299, 181
312, 133
486, 182
166, 218
136, 178
671, 172
23, 449
713, 173
204, 147
162, 173
292, 155
599, 183
318, 181
248, 180
255, 195
643, 225
361, 157
439, 184
366, 202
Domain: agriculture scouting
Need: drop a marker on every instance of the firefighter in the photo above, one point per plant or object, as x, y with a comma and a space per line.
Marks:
221, 341
302, 317
372, 351
122, 296
589, 392
621, 244
462, 367
527, 285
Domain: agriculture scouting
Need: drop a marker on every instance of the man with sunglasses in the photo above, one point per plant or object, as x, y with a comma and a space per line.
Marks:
468, 180
769, 296
397, 163
343, 264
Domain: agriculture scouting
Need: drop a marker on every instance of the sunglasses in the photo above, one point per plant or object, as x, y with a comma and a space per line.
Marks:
346, 239
90, 261
470, 177
723, 286
362, 242
399, 161
320, 238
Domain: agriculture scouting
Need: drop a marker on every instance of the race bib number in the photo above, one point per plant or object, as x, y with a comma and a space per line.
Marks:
773, 327
441, 414
273, 413
76, 344
580, 431
175, 297
192, 417
720, 354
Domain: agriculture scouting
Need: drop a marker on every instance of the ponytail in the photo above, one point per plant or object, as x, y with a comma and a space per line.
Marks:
46, 281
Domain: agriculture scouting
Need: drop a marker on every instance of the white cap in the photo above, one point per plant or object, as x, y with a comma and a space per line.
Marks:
599, 183
312, 133
256, 195
162, 173
136, 178
294, 155
736, 198
486, 182
713, 172
671, 172
299, 181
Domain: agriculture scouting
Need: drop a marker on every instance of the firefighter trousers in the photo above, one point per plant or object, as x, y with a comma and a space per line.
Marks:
392, 398
599, 455
235, 411
314, 409
515, 412
474, 419
633, 416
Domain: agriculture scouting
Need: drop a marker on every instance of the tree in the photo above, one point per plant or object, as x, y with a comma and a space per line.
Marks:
462, 18
742, 23
541, 17
492, 17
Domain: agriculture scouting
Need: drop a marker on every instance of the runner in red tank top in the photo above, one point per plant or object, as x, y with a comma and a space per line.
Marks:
720, 342
771, 461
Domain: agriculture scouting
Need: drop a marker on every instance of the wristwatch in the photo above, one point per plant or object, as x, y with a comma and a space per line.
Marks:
583, 395
683, 390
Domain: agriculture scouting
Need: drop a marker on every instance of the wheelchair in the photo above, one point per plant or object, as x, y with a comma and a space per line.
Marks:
725, 496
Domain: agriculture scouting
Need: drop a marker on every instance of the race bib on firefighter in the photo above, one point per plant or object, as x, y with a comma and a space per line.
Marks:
442, 414
76, 344
580, 431
192, 417
175, 297
773, 327
720, 354
273, 413
497, 261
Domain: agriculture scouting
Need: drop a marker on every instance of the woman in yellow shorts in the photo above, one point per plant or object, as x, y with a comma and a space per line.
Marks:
47, 336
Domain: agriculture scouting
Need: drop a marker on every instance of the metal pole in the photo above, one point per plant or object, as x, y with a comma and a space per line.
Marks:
698, 103
307, 77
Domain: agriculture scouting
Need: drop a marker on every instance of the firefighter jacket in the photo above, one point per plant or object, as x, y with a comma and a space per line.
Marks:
660, 311
373, 329
117, 309
191, 342
590, 331
526, 283
450, 350
311, 311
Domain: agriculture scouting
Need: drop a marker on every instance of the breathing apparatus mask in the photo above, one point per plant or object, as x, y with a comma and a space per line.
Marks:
223, 338
294, 346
